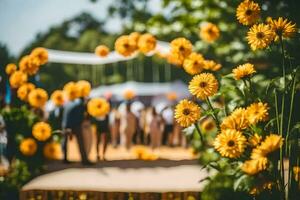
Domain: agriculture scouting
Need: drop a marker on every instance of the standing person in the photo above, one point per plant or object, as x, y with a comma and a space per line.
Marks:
128, 125
73, 118
102, 124
114, 123
156, 129
168, 116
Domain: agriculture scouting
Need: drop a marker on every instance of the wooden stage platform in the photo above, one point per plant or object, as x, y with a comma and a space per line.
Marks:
125, 179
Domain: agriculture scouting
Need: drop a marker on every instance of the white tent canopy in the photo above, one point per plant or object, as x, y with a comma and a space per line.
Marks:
143, 89
58, 56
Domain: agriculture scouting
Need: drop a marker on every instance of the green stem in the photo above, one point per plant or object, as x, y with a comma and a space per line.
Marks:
276, 111
213, 112
282, 114
291, 104
199, 132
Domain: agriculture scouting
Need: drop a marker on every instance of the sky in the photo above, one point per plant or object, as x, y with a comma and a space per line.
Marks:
21, 20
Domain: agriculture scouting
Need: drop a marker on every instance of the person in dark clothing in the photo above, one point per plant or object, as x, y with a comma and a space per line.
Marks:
55, 118
102, 124
72, 119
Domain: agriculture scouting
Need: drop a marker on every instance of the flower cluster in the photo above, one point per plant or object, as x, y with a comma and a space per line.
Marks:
261, 35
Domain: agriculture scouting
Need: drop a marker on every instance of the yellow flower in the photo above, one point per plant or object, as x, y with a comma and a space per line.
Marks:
271, 143
17, 79
187, 113
134, 37
180, 49
257, 112
209, 32
57, 97
41, 54
253, 167
125, 46
230, 143
71, 91
203, 85
254, 140
84, 88
24, 90
237, 120
146, 43
245, 70
260, 36
10, 68
28, 147
296, 171
102, 51
282, 28
98, 107
37, 98
28, 66
248, 12
208, 125
128, 94
41, 131
211, 65
194, 63
52, 151
171, 96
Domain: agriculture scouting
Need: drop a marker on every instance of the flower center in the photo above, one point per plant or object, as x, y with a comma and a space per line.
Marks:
181, 48
203, 84
260, 35
230, 143
248, 12
186, 111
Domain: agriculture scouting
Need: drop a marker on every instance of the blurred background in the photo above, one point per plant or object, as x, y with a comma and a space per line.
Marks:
81, 25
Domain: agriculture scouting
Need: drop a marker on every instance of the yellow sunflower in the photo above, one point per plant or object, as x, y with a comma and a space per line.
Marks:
254, 140
57, 97
28, 147
37, 98
253, 167
71, 91
146, 43
102, 51
203, 85
242, 71
282, 28
209, 32
208, 125
236, 120
10, 68
171, 96
84, 88
17, 79
98, 107
194, 63
24, 90
41, 54
28, 66
180, 49
271, 143
52, 151
230, 143
187, 113
248, 12
296, 171
128, 94
134, 37
211, 65
260, 36
41, 131
257, 112
125, 46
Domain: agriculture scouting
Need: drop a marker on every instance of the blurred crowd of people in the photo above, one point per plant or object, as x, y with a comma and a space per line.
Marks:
126, 124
